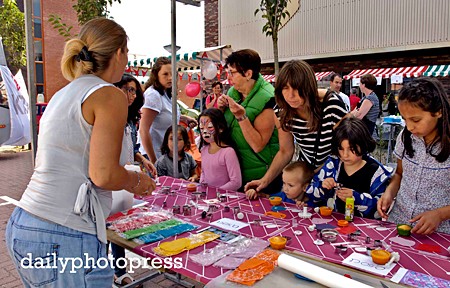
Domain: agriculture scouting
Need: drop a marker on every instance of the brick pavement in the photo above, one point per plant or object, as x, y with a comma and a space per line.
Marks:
15, 172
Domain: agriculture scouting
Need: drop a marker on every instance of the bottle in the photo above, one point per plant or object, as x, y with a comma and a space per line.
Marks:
349, 209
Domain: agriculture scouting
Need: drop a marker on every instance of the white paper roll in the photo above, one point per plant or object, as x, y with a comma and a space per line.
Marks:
317, 274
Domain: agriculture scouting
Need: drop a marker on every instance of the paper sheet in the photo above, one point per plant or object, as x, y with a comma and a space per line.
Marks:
365, 263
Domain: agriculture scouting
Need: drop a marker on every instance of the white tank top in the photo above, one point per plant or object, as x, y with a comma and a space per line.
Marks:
62, 161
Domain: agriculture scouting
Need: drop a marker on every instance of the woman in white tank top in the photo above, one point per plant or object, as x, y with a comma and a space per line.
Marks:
62, 212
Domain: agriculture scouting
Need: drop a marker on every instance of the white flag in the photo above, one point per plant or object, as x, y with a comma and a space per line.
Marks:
18, 108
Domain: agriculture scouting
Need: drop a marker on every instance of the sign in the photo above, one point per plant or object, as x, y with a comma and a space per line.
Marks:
229, 224
379, 79
364, 262
396, 79
356, 81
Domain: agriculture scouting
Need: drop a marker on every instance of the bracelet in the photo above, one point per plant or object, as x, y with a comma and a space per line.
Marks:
242, 118
138, 182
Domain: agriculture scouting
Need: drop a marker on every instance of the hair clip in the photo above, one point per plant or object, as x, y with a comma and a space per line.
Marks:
84, 55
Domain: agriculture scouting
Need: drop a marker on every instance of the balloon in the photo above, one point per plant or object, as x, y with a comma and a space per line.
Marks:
192, 89
209, 70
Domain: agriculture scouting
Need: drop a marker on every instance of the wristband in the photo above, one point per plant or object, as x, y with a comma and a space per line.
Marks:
138, 182
242, 118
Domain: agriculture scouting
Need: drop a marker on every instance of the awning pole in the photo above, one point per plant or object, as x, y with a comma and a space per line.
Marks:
174, 89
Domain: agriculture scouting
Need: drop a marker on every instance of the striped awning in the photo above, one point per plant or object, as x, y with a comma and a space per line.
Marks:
437, 70
322, 75
271, 78
406, 72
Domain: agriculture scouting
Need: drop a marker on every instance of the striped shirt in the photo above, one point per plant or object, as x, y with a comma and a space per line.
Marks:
310, 151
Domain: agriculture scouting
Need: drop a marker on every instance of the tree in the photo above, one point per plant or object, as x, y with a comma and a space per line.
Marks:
274, 11
12, 30
86, 10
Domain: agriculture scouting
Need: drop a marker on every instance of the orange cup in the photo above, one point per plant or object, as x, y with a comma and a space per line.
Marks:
325, 211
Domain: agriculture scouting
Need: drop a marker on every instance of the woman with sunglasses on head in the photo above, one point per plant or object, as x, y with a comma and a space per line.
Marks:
248, 109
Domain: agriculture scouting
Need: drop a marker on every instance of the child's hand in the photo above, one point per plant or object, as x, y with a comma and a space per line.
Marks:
328, 183
251, 194
300, 204
344, 193
149, 167
427, 222
193, 178
384, 203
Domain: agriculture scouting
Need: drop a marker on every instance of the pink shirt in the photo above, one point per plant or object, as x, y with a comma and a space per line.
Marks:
209, 98
221, 169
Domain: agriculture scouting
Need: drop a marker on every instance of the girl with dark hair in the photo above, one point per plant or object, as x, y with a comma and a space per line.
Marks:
420, 184
350, 172
157, 110
218, 157
131, 87
304, 113
186, 163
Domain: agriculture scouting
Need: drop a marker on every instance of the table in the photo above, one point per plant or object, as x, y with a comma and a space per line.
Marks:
434, 264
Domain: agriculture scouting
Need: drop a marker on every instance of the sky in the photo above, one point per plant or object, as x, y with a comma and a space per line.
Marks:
148, 26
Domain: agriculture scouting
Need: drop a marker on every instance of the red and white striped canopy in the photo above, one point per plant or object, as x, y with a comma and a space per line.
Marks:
271, 78
322, 75
406, 72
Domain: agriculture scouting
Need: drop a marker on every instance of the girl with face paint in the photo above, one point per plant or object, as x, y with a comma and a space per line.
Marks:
220, 164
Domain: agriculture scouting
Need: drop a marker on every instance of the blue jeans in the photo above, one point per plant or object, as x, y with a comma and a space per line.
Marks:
47, 254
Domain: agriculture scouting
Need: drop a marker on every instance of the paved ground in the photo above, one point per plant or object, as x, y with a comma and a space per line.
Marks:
15, 172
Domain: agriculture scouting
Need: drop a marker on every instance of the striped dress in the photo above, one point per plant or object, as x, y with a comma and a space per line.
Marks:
310, 151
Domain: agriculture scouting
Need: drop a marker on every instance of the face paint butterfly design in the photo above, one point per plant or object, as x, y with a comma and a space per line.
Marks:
207, 129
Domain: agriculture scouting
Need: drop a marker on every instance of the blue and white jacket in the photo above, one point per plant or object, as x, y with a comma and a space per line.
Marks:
365, 203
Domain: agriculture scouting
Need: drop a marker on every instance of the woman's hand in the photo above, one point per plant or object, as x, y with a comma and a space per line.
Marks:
328, 183
257, 185
190, 122
237, 110
222, 102
145, 186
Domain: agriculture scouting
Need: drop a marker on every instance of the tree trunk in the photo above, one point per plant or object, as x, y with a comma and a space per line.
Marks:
275, 53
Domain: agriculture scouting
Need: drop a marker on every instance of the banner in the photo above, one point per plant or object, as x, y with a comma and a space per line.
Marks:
18, 108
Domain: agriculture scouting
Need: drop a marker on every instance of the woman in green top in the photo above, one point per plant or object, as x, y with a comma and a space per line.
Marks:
248, 109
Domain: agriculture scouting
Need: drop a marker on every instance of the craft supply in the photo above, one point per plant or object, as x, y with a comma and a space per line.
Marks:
165, 190
164, 205
305, 210
395, 257
316, 273
349, 208
187, 210
342, 223
236, 210
404, 230
325, 211
377, 243
318, 242
275, 214
271, 226
340, 249
298, 232
277, 242
275, 200
368, 240
318, 221
294, 223
352, 237
223, 198
316, 209
361, 249
226, 209
240, 215
311, 227
328, 235
380, 257
402, 241
278, 208
176, 209
304, 216
191, 187
417, 279
203, 214
196, 196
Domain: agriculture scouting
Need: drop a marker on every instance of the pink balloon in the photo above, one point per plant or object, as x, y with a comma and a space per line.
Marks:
192, 89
